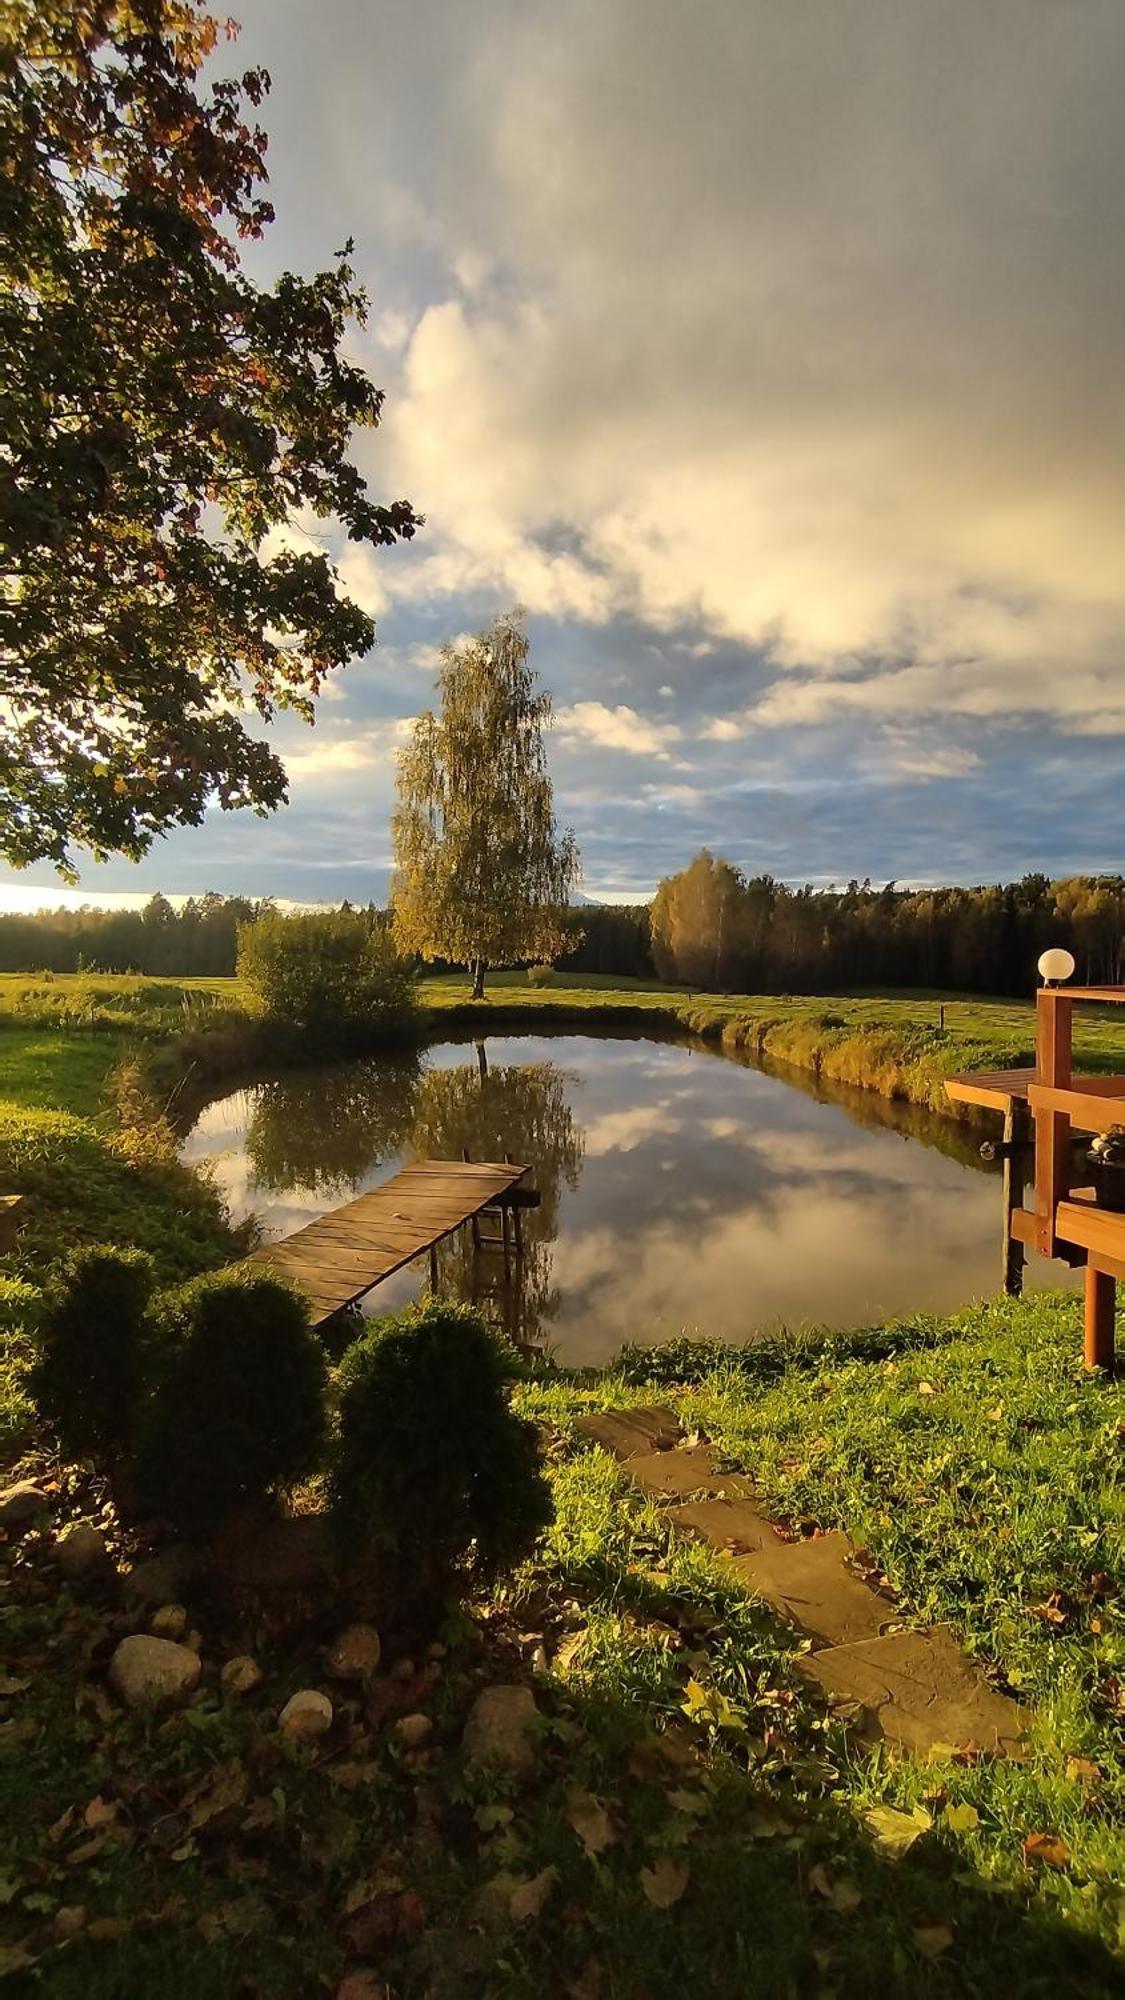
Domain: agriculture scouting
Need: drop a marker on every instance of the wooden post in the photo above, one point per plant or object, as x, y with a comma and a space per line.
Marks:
1016, 1124
1053, 1015
433, 1269
1101, 1305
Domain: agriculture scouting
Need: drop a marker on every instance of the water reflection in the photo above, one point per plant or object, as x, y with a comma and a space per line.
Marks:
680, 1188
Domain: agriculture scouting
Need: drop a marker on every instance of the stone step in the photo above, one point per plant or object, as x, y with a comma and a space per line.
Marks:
917, 1689
627, 1433
811, 1584
671, 1474
732, 1525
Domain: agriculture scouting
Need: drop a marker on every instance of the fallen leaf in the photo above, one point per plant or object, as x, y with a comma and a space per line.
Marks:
568, 1650
1048, 1849
694, 1803
841, 1892
11, 1684
926, 1389
490, 1818
933, 1939
99, 1812
529, 1898
591, 1822
960, 1819
1081, 1771
354, 1772
707, 1705
227, 1788
897, 1831
361, 1986
664, 1883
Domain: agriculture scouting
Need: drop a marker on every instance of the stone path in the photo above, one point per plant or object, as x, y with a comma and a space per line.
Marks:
911, 1688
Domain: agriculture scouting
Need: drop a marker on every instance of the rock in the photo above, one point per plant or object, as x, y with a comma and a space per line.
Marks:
413, 1730
240, 1675
403, 1670
193, 1640
499, 1728
148, 1672
354, 1654
81, 1552
435, 1650
306, 1714
160, 1579
170, 1622
19, 1504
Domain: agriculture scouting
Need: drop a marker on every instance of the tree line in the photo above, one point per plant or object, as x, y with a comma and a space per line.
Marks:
714, 927
200, 938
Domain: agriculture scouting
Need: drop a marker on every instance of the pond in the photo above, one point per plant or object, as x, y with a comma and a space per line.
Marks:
683, 1188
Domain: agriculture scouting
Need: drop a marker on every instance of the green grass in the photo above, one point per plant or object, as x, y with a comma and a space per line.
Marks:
976, 1518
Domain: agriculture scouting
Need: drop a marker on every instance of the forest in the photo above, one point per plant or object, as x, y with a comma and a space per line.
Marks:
716, 928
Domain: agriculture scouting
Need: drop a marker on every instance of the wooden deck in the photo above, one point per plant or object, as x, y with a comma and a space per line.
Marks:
341, 1256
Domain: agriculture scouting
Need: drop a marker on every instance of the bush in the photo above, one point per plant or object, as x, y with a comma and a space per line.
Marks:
87, 1378
540, 975
330, 979
433, 1473
238, 1411
19, 1310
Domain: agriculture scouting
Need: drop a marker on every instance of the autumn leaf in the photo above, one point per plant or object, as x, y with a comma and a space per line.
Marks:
840, 1892
693, 1803
591, 1822
960, 1819
529, 1898
897, 1831
707, 1705
1081, 1771
933, 1939
1047, 1849
664, 1883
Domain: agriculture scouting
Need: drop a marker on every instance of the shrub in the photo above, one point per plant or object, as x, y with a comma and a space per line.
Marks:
331, 979
19, 1308
238, 1411
540, 975
87, 1378
433, 1473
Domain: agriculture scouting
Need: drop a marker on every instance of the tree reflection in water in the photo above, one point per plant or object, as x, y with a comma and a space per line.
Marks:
518, 1110
327, 1129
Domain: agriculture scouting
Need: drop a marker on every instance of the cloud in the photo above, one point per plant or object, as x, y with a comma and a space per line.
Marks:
618, 728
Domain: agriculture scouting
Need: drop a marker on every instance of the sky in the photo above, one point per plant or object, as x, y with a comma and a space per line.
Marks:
770, 353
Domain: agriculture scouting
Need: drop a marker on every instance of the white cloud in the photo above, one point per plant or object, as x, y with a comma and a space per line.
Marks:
615, 729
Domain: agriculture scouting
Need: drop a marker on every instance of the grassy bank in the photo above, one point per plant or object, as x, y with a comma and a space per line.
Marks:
692, 1819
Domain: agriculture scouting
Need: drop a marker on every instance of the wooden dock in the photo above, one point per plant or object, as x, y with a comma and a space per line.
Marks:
341, 1256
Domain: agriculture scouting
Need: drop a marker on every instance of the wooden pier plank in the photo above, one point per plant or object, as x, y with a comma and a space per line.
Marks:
344, 1254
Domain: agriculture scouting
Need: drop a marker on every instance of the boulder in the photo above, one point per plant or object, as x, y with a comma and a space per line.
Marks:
81, 1552
149, 1673
306, 1714
413, 1730
160, 1579
354, 1654
240, 1675
19, 1504
500, 1728
170, 1622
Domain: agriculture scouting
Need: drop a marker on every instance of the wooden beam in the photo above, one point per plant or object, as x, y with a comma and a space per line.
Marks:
1054, 1013
1101, 1307
1091, 1111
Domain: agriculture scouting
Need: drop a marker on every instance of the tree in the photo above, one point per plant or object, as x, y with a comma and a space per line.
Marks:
481, 876
165, 419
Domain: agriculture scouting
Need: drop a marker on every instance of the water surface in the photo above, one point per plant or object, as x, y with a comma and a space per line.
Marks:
683, 1188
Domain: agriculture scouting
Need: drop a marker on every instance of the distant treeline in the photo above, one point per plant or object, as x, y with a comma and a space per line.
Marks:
716, 928
711, 927
200, 938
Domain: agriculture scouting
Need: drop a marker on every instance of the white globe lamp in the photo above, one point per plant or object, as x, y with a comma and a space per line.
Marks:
1056, 965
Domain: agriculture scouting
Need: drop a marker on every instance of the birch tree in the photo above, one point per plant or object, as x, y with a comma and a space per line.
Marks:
482, 875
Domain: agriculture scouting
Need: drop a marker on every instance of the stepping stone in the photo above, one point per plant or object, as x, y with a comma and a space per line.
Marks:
726, 1524
917, 1689
674, 1473
628, 1433
811, 1583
